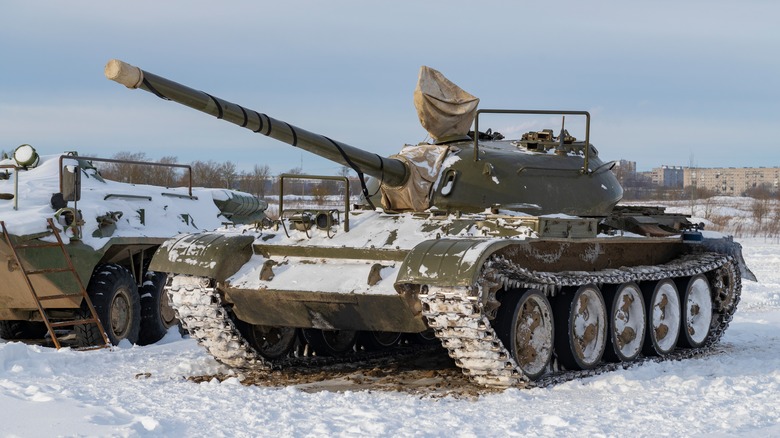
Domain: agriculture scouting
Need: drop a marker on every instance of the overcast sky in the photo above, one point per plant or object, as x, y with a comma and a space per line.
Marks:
667, 82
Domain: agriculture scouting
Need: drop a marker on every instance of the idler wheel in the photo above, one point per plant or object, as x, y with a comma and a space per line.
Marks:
330, 342
271, 342
581, 318
627, 322
724, 283
663, 317
524, 323
696, 311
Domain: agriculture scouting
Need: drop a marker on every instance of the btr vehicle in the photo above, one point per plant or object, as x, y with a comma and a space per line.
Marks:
76, 247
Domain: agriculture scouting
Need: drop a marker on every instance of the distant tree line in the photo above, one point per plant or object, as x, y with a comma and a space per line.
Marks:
257, 181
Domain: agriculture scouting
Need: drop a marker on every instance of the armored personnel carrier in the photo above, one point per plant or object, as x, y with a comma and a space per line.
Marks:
510, 253
76, 247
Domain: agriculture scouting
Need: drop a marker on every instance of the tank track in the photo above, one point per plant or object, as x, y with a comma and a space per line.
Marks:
201, 311
461, 322
199, 308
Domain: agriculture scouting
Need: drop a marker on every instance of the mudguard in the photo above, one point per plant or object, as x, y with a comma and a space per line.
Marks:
726, 245
212, 255
448, 262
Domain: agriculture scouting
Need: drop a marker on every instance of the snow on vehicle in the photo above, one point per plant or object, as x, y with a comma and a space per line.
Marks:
512, 253
76, 247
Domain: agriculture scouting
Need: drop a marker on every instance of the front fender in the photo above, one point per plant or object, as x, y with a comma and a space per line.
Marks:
726, 245
212, 255
448, 262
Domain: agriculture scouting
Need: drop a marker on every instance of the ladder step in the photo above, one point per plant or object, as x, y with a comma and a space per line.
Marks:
69, 323
48, 271
58, 296
74, 322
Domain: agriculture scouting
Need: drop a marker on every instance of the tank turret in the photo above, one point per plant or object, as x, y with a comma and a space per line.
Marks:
537, 174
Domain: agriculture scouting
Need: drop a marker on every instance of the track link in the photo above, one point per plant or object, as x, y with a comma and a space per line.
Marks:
200, 309
460, 321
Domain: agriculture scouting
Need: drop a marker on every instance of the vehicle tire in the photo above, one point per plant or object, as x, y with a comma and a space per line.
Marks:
330, 342
157, 316
581, 325
662, 304
13, 330
696, 305
524, 324
114, 295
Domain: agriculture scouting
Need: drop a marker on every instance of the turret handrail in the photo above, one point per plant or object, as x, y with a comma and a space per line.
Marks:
344, 179
117, 161
584, 169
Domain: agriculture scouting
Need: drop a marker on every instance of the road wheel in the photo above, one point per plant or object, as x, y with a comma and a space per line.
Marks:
375, 341
696, 307
627, 322
582, 327
157, 315
662, 303
270, 342
12, 330
428, 337
330, 342
524, 324
114, 295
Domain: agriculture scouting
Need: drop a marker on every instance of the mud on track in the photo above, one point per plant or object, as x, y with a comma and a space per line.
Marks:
428, 374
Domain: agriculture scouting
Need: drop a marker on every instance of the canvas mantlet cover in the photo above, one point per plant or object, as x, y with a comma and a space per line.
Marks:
424, 164
446, 112
444, 109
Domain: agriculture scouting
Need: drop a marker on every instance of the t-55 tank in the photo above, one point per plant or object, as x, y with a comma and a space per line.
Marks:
509, 252
73, 241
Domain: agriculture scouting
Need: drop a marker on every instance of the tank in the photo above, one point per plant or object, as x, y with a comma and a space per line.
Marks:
108, 232
510, 253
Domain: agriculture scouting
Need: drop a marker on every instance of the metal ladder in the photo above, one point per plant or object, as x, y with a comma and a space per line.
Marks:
93, 319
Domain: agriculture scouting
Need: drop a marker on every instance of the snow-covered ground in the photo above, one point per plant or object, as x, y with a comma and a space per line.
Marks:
143, 391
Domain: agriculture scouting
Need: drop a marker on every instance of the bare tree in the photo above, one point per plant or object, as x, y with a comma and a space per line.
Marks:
760, 209
207, 174
254, 181
162, 175
228, 174
124, 172
294, 186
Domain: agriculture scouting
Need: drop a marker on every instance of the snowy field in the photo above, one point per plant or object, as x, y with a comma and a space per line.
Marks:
143, 391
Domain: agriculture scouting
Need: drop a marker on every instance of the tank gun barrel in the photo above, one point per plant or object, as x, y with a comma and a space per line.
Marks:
390, 171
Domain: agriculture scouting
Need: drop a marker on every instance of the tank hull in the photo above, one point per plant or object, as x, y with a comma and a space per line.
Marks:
444, 273
327, 282
285, 302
